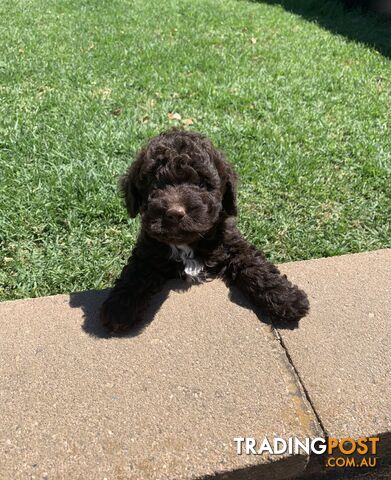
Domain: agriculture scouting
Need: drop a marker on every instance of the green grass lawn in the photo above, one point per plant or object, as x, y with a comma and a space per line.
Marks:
303, 114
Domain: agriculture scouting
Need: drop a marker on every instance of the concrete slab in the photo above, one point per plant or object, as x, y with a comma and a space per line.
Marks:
342, 350
165, 403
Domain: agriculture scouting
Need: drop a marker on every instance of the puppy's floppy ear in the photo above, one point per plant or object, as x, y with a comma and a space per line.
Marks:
129, 190
229, 197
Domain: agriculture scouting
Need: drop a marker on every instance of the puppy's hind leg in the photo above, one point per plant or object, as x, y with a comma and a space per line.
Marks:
262, 282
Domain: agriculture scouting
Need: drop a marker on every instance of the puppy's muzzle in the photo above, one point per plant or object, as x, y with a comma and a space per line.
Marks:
175, 213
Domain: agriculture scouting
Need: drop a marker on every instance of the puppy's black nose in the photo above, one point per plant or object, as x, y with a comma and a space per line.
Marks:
176, 212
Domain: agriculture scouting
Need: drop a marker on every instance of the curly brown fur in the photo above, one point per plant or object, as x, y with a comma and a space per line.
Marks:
185, 192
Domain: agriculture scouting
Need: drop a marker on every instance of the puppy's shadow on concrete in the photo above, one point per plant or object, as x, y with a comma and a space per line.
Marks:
236, 296
91, 301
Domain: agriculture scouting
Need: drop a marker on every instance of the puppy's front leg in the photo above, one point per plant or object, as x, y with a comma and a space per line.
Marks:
262, 282
128, 299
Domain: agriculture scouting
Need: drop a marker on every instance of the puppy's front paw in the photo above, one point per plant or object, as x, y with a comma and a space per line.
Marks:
288, 304
117, 315
297, 305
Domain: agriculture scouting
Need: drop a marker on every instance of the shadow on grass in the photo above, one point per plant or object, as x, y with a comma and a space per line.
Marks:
369, 28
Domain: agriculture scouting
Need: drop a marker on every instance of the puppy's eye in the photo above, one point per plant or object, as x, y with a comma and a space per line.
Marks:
202, 184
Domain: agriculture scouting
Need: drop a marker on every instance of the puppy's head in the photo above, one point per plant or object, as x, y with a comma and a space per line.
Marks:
181, 186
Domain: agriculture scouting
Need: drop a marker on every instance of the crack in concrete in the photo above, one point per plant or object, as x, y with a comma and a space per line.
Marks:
300, 381
314, 462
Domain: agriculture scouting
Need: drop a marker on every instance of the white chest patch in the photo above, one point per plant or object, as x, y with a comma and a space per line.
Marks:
192, 266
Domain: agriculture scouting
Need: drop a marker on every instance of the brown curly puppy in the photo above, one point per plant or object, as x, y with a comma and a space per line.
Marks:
185, 192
